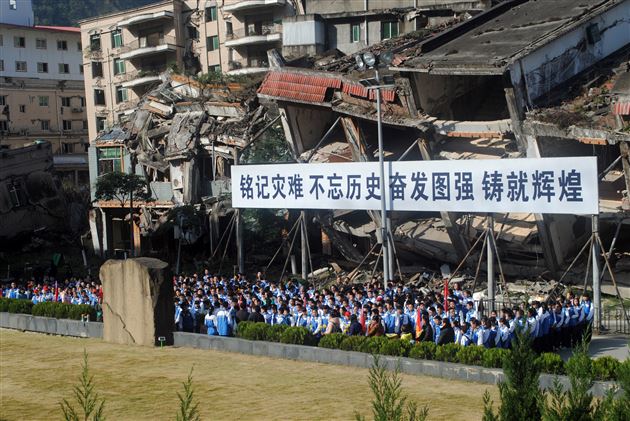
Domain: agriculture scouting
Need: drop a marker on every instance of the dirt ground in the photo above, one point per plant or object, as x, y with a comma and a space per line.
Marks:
37, 371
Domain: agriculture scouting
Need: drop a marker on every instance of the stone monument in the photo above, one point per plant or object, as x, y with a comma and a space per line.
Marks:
137, 301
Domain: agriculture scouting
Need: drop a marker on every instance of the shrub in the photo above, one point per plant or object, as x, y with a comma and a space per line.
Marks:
242, 329
352, 343
20, 306
447, 352
550, 363
373, 344
471, 355
4, 304
252, 331
273, 333
606, 368
297, 335
76, 311
332, 341
395, 347
493, 357
423, 351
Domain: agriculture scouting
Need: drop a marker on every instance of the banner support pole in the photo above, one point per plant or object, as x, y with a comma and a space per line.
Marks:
490, 261
597, 293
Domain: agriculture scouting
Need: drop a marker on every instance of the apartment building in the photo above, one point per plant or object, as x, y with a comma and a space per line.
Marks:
41, 88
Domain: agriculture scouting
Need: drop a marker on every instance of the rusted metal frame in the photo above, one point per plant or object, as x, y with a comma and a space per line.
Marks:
286, 261
612, 276
284, 240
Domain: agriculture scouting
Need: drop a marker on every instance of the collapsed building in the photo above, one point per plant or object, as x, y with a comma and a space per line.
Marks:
523, 79
183, 137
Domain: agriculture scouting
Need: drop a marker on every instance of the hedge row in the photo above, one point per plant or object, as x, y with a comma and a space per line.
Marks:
47, 309
604, 368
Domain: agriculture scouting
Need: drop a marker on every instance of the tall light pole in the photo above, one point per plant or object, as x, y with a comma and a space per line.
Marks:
370, 61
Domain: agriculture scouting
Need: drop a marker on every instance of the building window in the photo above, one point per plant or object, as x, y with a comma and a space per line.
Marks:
1, 65
1, 40
41, 43
389, 29
22, 108
121, 94
216, 68
19, 42
213, 43
99, 97
211, 14
119, 66
4, 126
229, 29
62, 45
67, 125
64, 68
42, 67
100, 124
15, 193
355, 32
12, 4
97, 69
85, 125
79, 46
43, 101
109, 160
65, 101
82, 101
3, 100
45, 124
20, 66
193, 33
95, 42
117, 40
80, 68
67, 147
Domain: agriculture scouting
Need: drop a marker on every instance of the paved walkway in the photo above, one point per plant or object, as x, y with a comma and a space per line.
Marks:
613, 345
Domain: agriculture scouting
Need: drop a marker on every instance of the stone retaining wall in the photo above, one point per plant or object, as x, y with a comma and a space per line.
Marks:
51, 325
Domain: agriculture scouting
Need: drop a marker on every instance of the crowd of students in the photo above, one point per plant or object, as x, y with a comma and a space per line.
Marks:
215, 305
71, 291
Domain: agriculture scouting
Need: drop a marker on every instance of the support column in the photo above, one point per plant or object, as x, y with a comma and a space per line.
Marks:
137, 245
304, 243
597, 293
490, 257
240, 244
624, 150
104, 235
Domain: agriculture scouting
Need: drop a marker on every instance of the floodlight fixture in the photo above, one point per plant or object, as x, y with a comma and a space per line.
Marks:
369, 59
360, 63
386, 57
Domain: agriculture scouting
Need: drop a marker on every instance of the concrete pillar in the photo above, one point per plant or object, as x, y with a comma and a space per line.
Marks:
490, 256
104, 236
304, 242
597, 293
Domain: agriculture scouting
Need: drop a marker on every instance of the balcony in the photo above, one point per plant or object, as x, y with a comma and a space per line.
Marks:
255, 34
141, 78
147, 17
147, 46
242, 5
247, 67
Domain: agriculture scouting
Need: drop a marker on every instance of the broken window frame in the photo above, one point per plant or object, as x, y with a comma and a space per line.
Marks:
97, 69
99, 97
122, 95
101, 123
212, 43
120, 67
109, 159
117, 38
95, 42
387, 29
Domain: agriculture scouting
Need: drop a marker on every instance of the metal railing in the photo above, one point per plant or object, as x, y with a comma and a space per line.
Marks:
266, 28
154, 40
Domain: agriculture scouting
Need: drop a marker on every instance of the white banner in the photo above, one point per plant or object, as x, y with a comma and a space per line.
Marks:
545, 185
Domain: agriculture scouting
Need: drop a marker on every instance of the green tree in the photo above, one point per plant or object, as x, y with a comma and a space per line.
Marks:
91, 406
123, 188
521, 398
188, 407
390, 403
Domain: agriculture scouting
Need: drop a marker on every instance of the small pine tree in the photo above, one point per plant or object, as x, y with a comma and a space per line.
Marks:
188, 407
521, 398
390, 403
90, 405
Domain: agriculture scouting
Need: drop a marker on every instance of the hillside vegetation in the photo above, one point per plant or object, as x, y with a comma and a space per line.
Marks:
68, 12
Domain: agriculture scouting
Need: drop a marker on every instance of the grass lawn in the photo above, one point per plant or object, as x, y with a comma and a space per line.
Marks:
37, 371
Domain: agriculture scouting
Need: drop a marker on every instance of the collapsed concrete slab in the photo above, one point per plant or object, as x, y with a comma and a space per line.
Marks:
137, 301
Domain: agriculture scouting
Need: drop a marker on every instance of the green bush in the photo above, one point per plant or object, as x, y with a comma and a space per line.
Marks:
373, 344
447, 353
471, 355
20, 306
606, 368
76, 311
423, 351
493, 357
395, 347
352, 343
332, 341
297, 335
4, 304
550, 363
242, 329
252, 331
273, 333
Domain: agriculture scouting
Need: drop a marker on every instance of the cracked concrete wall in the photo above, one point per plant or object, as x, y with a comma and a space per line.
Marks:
137, 301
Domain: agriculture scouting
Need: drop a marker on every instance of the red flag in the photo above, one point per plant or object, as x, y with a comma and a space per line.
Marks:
362, 320
418, 322
56, 291
446, 294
